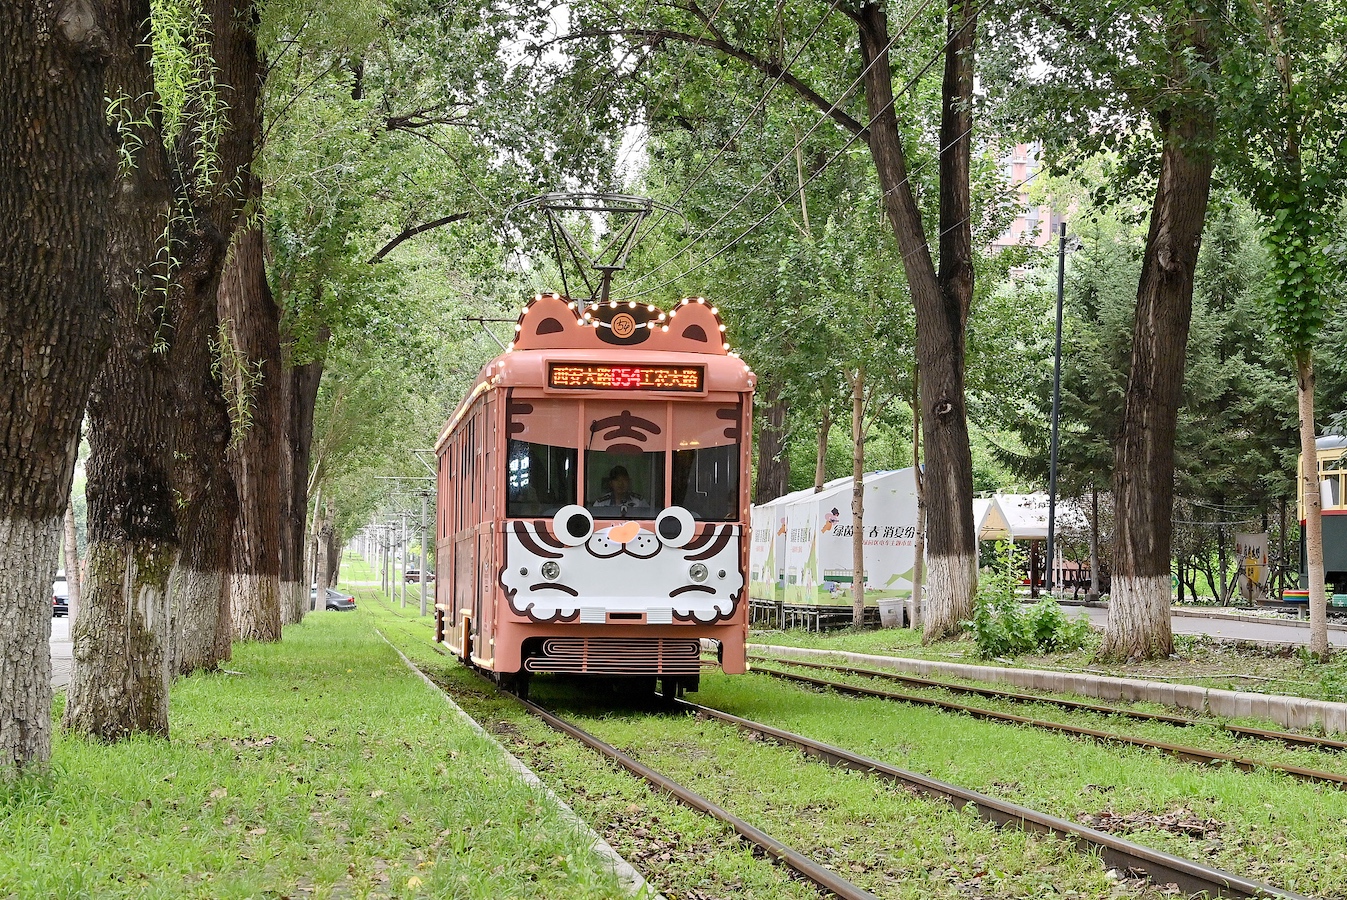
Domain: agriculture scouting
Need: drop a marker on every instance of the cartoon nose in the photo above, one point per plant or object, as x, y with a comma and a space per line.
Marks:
625, 532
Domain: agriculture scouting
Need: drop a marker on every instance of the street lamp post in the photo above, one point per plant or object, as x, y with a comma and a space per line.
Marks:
1056, 410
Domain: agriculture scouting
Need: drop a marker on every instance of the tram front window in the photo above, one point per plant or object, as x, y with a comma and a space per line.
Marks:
539, 479
624, 485
706, 482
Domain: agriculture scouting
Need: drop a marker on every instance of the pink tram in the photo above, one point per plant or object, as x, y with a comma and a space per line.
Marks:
593, 498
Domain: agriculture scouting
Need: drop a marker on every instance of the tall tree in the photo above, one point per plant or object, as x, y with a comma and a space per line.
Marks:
210, 61
119, 685
57, 163
941, 297
1148, 72
250, 328
1290, 106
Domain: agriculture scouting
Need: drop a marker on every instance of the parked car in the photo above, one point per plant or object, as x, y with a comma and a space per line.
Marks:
336, 600
413, 576
60, 597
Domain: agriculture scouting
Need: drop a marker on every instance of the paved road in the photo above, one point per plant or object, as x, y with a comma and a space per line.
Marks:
1223, 625
61, 652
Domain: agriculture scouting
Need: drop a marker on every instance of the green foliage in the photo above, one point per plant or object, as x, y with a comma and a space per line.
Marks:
1001, 626
1290, 119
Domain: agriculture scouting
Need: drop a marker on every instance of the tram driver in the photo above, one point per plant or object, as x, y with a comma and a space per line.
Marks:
619, 495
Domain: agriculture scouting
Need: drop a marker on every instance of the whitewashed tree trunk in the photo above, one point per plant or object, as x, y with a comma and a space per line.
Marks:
72, 562
121, 675
858, 497
27, 568
919, 541
1313, 500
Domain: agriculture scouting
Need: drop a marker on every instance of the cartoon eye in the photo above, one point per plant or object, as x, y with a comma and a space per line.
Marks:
675, 526
573, 525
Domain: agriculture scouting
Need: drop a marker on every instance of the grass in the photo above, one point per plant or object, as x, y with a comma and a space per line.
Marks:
873, 833
1197, 660
1266, 826
323, 768
1262, 825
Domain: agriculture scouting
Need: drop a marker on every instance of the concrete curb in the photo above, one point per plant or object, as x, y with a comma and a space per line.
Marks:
1289, 712
632, 880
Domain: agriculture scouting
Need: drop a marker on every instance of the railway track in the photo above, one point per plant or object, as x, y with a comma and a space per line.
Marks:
1136, 859
1284, 737
1186, 753
1155, 865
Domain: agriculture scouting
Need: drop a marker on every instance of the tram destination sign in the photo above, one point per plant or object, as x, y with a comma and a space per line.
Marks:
603, 377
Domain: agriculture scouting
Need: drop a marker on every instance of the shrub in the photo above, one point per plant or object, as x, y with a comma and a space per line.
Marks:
1002, 627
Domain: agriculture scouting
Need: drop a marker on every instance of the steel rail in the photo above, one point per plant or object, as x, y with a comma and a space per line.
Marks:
1155, 865
1284, 737
1188, 754
793, 859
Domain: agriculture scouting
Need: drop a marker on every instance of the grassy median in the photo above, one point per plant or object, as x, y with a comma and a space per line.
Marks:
317, 767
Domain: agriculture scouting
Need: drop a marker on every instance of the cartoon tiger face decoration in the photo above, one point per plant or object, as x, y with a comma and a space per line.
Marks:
564, 569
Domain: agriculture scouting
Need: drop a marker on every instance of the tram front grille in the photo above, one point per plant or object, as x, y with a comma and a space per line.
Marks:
618, 656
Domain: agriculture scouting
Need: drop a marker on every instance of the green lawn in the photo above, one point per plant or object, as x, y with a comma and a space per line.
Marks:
319, 767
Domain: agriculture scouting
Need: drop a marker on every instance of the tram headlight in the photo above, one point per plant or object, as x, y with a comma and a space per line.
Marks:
551, 570
697, 572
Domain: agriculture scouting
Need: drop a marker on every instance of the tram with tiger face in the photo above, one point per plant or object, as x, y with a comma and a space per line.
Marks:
593, 498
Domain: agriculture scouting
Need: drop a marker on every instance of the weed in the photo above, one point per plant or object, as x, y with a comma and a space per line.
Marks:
1002, 627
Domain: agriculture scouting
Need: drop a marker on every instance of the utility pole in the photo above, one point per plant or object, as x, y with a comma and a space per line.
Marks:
402, 578
423, 554
1056, 410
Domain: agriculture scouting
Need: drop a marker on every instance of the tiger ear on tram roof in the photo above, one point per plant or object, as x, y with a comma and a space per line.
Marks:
549, 322
693, 328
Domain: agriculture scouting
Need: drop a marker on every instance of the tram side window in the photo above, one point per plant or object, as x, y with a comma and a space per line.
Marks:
539, 479
706, 482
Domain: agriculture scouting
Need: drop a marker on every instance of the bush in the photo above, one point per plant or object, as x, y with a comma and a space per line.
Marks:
1002, 627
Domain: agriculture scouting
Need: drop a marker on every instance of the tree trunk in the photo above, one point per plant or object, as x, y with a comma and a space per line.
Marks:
72, 563
207, 502
119, 685
1222, 563
250, 332
301, 394
208, 213
940, 300
1143, 481
324, 556
858, 497
1092, 595
334, 559
825, 427
919, 540
773, 462
1313, 500
57, 164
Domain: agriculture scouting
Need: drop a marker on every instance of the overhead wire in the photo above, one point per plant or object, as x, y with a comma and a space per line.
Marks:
795, 193
790, 153
747, 118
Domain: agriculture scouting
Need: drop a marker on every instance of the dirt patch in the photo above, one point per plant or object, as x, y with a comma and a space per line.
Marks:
1181, 821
